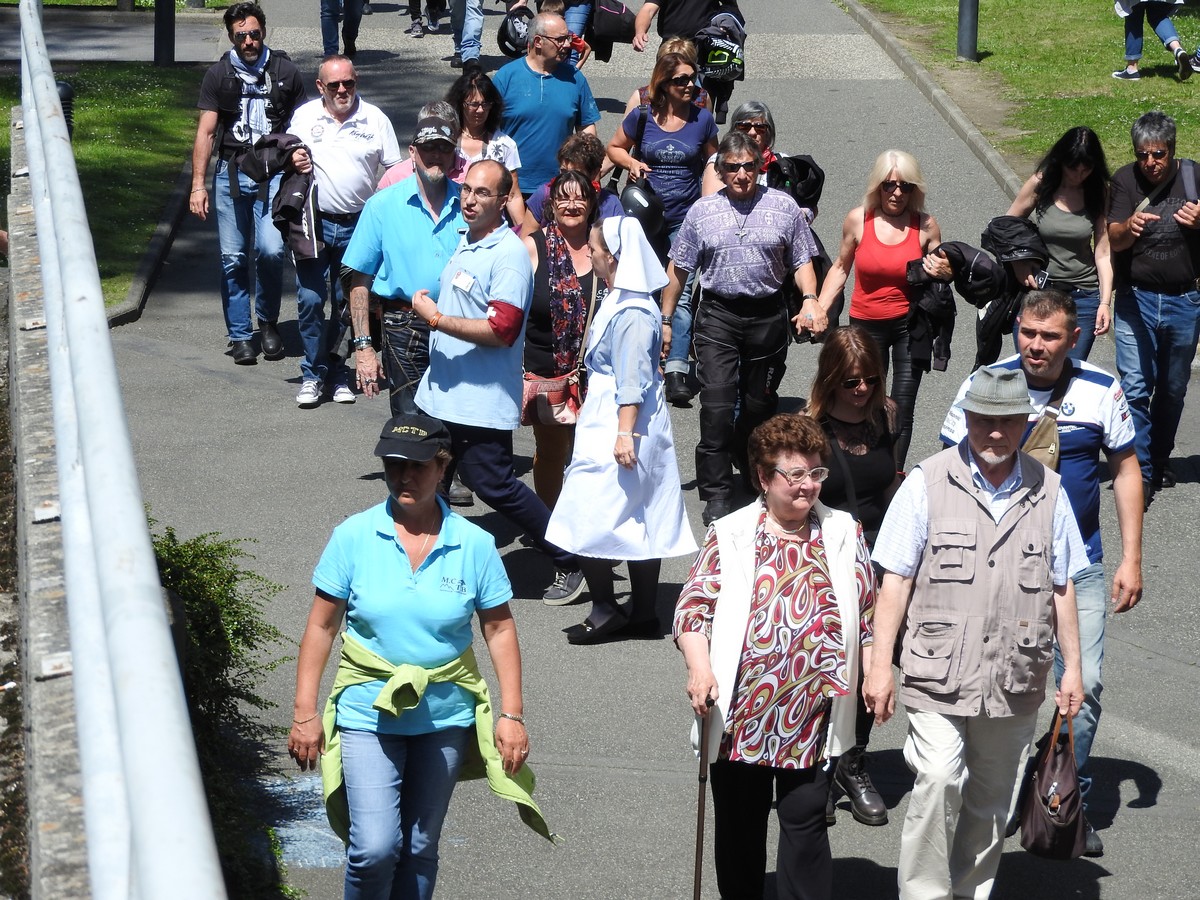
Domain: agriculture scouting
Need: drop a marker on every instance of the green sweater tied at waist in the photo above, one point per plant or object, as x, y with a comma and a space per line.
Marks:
405, 685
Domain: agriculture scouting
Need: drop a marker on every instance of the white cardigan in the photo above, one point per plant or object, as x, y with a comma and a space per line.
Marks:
731, 615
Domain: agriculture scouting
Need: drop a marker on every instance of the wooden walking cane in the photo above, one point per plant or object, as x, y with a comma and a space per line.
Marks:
705, 724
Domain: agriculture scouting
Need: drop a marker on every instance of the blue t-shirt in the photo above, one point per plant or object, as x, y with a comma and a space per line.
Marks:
416, 248
676, 158
422, 618
542, 111
1094, 417
466, 383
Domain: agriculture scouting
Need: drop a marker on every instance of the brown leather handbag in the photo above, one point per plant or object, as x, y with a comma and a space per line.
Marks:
1052, 824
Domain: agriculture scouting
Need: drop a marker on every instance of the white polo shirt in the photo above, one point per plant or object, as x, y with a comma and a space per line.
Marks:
348, 156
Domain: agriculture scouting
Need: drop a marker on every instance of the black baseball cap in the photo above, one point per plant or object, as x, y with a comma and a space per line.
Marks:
412, 437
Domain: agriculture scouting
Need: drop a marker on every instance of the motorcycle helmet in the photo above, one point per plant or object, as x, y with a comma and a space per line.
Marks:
513, 33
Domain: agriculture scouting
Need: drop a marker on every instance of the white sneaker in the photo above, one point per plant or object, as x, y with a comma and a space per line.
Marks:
342, 393
309, 394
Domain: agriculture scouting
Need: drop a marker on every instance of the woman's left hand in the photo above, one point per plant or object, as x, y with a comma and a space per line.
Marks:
1103, 319
512, 742
624, 453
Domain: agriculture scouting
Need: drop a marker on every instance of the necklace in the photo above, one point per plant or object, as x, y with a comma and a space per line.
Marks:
416, 560
799, 528
741, 233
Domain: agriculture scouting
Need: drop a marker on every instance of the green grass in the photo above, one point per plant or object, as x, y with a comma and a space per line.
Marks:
111, 4
134, 126
1054, 59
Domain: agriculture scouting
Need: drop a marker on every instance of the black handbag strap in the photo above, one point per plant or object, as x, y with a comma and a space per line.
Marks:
844, 464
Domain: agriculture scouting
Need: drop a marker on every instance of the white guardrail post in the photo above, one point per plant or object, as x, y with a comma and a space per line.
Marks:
148, 830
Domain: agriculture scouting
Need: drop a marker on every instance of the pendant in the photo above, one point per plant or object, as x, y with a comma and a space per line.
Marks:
741, 235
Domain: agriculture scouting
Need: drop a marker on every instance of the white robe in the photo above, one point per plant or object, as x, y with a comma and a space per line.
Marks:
605, 510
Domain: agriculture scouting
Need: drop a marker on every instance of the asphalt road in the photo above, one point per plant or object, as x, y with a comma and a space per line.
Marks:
224, 448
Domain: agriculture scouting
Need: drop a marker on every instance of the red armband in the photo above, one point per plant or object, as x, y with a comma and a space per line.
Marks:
506, 321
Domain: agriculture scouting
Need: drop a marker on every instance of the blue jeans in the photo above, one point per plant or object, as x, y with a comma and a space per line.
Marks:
405, 358
681, 319
1156, 340
576, 18
242, 222
1090, 598
350, 11
318, 334
1159, 17
466, 21
398, 788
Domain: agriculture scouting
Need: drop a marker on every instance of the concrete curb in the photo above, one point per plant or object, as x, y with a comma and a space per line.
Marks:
1005, 177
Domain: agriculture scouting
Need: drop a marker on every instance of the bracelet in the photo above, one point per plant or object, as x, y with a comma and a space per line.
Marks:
808, 296
305, 721
518, 719
361, 343
200, 191
433, 324
666, 320
627, 434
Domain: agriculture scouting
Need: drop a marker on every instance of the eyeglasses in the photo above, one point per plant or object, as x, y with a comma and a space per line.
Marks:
1144, 155
562, 40
796, 476
851, 383
480, 193
747, 127
906, 187
240, 37
477, 104
336, 86
683, 80
730, 167
571, 203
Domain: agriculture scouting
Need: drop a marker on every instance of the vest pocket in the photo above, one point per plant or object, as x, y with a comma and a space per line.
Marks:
932, 656
1034, 569
953, 545
1030, 655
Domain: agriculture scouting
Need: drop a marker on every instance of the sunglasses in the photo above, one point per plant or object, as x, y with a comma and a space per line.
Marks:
851, 383
747, 127
730, 167
336, 86
241, 36
906, 187
682, 80
794, 477
1144, 155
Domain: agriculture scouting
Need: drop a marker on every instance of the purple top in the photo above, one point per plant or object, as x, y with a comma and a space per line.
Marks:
676, 158
744, 248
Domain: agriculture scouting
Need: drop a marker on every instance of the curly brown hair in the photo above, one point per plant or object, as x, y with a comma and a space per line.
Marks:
782, 434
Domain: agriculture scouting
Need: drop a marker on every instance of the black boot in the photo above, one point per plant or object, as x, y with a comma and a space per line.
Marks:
851, 776
831, 805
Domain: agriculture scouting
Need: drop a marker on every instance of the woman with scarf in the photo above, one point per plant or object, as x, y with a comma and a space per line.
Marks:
565, 295
624, 449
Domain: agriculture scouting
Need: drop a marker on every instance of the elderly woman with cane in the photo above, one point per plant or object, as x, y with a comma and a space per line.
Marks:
621, 496
409, 713
774, 622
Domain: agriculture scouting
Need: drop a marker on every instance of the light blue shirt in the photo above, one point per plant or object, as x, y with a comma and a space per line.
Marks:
905, 528
398, 240
422, 618
467, 383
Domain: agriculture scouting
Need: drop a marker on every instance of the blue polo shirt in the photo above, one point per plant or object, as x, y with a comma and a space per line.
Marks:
542, 111
399, 242
466, 383
422, 618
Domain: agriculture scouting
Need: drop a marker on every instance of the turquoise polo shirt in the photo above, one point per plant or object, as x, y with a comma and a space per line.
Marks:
422, 618
398, 241
466, 383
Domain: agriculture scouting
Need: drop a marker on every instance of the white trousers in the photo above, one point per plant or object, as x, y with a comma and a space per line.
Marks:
954, 830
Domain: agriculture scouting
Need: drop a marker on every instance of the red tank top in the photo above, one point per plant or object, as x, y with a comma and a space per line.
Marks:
880, 281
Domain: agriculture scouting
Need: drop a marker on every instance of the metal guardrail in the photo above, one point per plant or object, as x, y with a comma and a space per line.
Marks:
147, 825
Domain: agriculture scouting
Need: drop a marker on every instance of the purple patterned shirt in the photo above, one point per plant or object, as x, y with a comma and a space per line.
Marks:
744, 248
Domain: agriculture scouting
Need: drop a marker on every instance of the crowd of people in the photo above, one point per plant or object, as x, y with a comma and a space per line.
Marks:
490, 260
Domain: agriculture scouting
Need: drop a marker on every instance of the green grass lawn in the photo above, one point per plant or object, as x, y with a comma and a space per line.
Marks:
1055, 59
134, 126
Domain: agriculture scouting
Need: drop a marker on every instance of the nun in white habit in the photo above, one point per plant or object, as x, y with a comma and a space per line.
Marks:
621, 498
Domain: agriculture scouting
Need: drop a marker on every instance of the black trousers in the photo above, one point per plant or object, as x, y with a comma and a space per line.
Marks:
741, 804
741, 353
892, 337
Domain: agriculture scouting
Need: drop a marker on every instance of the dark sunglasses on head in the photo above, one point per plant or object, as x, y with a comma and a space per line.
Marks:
335, 86
682, 80
730, 167
240, 36
906, 187
1146, 154
851, 383
752, 126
